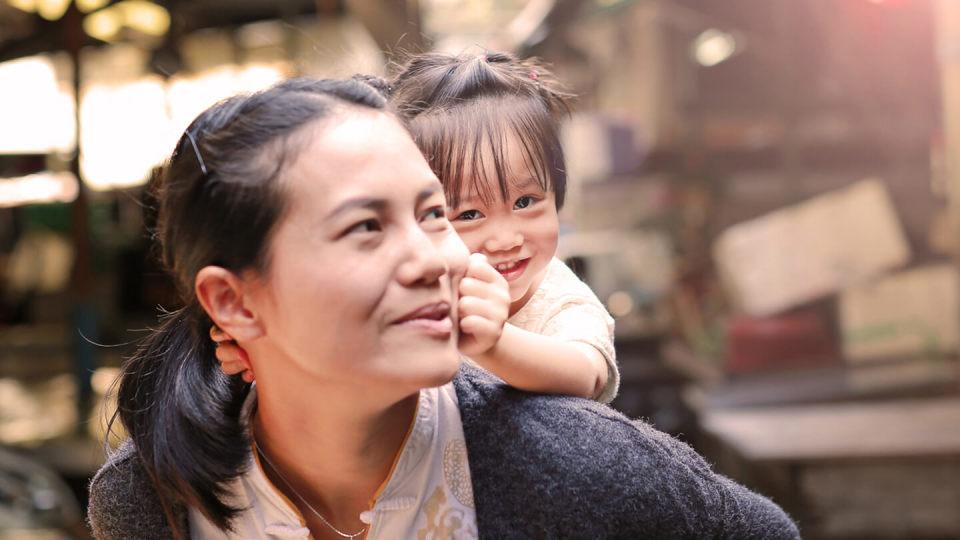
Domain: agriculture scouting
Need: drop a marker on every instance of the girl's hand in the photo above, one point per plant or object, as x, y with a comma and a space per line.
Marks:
233, 359
484, 306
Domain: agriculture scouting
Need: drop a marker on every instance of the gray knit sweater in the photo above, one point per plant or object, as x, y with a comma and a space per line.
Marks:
541, 467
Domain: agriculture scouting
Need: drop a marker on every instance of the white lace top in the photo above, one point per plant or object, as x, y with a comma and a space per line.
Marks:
566, 308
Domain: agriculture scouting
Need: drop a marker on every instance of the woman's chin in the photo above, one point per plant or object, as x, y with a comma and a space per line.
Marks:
446, 371
427, 368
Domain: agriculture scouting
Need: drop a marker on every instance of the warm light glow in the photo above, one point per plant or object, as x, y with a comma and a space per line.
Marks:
620, 304
36, 111
45, 187
52, 10
189, 96
123, 132
86, 6
127, 128
29, 6
712, 47
133, 127
145, 17
104, 25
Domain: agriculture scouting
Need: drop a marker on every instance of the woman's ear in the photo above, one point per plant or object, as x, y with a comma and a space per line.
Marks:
223, 296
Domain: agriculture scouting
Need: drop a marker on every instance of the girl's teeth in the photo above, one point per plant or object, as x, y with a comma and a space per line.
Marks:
506, 266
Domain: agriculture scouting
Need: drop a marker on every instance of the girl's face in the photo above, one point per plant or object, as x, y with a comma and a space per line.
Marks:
518, 235
364, 265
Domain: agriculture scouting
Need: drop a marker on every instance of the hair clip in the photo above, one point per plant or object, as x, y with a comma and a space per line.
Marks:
534, 75
196, 151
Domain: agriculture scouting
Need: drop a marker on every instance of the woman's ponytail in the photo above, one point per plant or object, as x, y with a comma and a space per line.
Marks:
183, 414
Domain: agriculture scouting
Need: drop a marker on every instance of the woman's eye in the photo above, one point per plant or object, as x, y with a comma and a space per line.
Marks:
469, 215
435, 213
366, 226
523, 202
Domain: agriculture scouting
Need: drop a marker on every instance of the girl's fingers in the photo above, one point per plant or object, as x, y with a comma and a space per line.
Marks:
232, 368
482, 289
490, 310
233, 359
230, 352
480, 269
218, 335
476, 325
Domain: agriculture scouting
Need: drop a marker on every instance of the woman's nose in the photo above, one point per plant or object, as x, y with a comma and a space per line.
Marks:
423, 262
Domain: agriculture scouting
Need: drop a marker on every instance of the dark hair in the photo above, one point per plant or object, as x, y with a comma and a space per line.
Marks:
458, 106
219, 197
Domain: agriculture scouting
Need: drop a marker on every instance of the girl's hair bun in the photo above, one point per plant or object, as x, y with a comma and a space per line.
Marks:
377, 83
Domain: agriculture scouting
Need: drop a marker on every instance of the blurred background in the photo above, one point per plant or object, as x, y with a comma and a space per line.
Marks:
765, 193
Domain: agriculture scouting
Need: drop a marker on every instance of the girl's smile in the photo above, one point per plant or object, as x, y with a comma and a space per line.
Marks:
512, 270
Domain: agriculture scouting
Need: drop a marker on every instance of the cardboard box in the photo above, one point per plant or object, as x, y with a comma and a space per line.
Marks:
816, 248
911, 313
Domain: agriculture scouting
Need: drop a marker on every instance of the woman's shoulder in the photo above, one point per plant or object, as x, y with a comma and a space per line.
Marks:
123, 502
569, 464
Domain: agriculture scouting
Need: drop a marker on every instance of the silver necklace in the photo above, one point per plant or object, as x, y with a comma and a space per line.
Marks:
304, 501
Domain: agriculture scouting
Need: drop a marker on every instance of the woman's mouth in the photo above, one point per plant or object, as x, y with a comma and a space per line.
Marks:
432, 319
511, 271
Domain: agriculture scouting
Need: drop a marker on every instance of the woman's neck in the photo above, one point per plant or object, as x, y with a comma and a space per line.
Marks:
332, 452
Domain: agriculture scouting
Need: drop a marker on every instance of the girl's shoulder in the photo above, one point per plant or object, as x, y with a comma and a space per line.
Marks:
559, 290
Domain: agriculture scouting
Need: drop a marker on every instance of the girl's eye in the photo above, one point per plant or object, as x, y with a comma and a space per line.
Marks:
469, 215
366, 226
436, 212
523, 202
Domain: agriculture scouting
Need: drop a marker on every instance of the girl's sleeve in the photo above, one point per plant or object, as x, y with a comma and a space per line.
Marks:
586, 321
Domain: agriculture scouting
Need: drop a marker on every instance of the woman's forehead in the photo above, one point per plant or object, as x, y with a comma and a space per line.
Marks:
359, 154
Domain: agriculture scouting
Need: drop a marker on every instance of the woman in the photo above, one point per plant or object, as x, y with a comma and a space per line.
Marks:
304, 222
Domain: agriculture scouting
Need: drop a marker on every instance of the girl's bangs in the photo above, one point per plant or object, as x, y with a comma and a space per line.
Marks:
468, 148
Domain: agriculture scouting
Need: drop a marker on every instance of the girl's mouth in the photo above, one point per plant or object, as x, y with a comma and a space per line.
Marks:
511, 271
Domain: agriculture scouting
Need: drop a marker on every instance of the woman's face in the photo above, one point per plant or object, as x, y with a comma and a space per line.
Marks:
364, 265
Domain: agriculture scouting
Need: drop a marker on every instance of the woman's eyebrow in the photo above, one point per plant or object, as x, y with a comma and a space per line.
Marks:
376, 204
367, 203
428, 192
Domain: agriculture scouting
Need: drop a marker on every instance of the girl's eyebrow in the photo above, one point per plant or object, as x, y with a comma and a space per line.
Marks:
468, 201
530, 181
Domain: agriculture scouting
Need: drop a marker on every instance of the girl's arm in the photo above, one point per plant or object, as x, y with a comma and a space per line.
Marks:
545, 364
523, 359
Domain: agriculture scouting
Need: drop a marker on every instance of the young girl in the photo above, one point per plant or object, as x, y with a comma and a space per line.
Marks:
488, 126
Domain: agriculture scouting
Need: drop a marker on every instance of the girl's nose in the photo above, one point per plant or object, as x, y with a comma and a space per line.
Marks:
503, 239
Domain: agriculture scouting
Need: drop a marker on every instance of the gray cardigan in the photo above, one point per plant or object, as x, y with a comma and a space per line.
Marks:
541, 467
